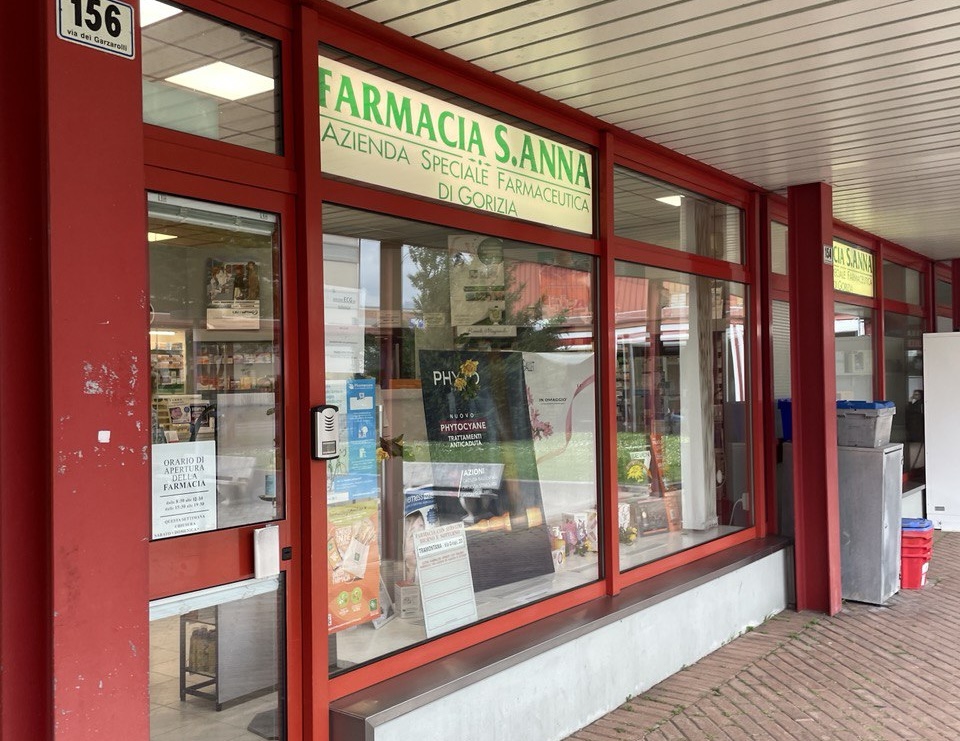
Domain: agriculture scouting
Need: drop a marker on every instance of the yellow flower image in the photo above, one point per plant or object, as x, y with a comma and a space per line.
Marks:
382, 455
468, 367
459, 383
637, 471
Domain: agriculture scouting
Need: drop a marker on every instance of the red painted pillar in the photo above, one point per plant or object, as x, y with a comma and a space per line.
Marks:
816, 501
955, 292
25, 609
74, 386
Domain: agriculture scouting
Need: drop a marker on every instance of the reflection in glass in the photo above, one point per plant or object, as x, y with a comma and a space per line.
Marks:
853, 337
215, 366
682, 390
944, 293
463, 366
902, 284
208, 78
216, 668
778, 248
903, 368
656, 212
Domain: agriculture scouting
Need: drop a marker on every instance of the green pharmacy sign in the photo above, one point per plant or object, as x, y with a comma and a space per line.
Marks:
389, 135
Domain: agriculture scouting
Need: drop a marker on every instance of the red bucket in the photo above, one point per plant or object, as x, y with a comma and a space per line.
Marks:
913, 572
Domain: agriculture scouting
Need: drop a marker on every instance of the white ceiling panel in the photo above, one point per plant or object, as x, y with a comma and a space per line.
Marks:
862, 94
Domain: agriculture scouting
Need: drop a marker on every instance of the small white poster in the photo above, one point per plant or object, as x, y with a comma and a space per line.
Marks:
477, 282
344, 328
446, 583
184, 488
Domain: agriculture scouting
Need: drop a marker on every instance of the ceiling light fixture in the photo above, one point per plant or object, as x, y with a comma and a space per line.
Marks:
153, 11
157, 237
671, 200
223, 81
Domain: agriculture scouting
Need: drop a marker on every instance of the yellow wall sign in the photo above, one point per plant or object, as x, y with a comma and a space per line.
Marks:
852, 269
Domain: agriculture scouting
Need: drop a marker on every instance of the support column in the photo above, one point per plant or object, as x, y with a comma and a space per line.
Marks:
74, 381
816, 501
955, 293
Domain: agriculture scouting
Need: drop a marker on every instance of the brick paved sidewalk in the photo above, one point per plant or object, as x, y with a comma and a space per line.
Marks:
870, 672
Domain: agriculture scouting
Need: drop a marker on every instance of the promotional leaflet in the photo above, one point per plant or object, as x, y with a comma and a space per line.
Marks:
353, 564
446, 585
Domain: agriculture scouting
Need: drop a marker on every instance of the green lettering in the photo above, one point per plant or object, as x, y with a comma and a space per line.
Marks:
398, 114
583, 172
371, 101
442, 120
528, 156
346, 96
547, 163
503, 147
325, 75
425, 123
476, 141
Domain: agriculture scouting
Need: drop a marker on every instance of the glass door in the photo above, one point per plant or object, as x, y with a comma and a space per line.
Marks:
217, 645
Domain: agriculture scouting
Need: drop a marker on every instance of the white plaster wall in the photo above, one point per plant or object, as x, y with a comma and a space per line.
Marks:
554, 694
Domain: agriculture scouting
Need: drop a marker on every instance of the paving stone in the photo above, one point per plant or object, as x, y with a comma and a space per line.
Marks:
869, 673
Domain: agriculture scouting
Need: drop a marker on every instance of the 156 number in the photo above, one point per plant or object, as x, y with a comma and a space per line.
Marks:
91, 17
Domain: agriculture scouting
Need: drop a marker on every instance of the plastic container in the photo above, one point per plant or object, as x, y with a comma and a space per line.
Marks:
786, 418
916, 550
864, 424
913, 573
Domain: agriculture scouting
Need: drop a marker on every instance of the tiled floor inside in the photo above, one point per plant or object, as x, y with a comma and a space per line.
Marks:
195, 718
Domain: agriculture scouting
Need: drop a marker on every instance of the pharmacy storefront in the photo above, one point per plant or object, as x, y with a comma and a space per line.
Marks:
376, 389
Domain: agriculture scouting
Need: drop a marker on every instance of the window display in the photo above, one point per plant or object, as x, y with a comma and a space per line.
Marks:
214, 349
464, 371
682, 411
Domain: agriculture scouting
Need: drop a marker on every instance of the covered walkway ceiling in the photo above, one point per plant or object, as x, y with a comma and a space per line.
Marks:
861, 94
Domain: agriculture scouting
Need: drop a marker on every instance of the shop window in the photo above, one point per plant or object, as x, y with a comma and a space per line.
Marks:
215, 366
853, 337
205, 77
682, 389
902, 284
903, 368
216, 663
778, 248
464, 370
656, 212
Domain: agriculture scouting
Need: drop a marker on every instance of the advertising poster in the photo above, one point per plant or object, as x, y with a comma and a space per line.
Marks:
184, 488
475, 407
233, 295
353, 564
561, 397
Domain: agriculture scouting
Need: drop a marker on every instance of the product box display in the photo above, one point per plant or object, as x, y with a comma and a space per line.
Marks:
406, 599
650, 516
580, 531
